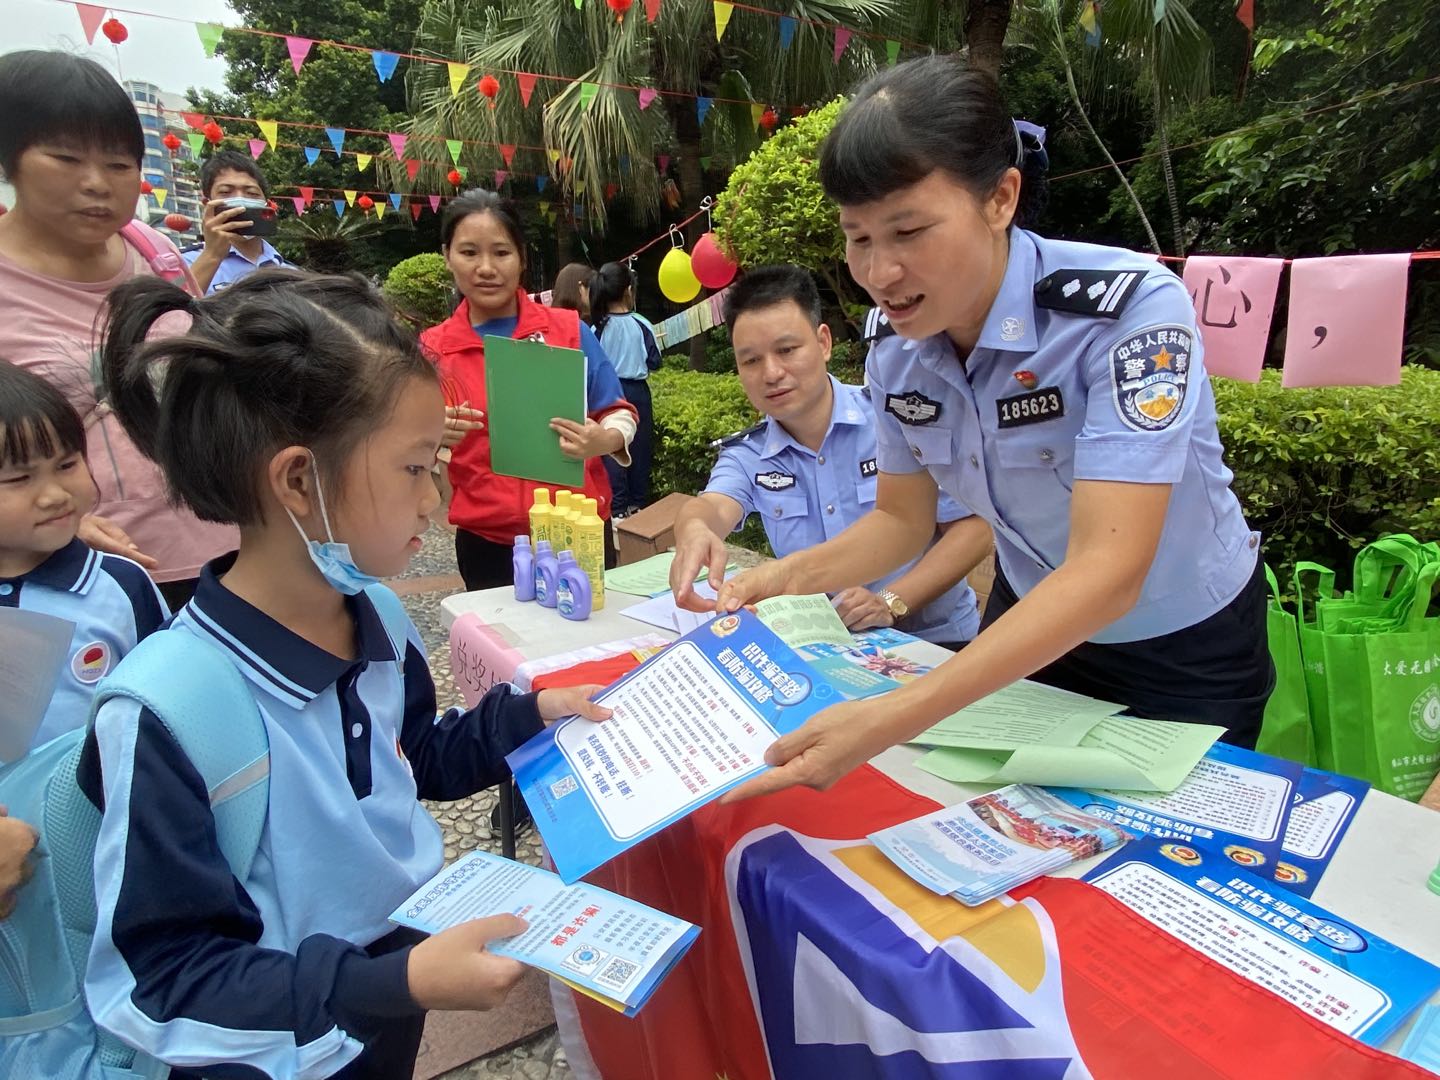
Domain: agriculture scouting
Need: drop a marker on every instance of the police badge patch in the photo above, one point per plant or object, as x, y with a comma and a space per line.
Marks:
775, 480
1149, 372
912, 407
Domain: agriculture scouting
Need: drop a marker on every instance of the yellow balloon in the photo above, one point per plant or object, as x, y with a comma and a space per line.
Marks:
677, 280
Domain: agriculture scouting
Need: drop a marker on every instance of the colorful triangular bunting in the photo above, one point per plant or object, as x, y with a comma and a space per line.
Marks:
842, 38
209, 36
270, 129
702, 106
723, 11
892, 51
339, 205
257, 147
527, 86
159, 194
384, 64
507, 153
397, 144
350, 197
787, 31
434, 203
197, 142
454, 145
306, 193
90, 19
312, 155
457, 76
646, 96
337, 139
587, 93
299, 49
411, 168
362, 161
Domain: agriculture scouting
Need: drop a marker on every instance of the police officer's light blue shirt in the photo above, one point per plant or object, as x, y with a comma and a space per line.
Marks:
235, 265
806, 497
113, 605
1048, 397
271, 974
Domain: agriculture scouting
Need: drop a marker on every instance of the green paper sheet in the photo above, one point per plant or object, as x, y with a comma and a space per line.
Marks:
648, 577
1022, 714
804, 620
527, 384
1121, 752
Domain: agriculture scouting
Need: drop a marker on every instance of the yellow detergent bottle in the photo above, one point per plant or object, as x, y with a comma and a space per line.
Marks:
572, 521
590, 551
560, 538
541, 515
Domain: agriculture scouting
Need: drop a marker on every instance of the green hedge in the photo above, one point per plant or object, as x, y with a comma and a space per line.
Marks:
1319, 472
421, 289
1322, 472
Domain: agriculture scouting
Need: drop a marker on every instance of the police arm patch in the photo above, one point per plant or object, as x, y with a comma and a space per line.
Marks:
1149, 376
912, 407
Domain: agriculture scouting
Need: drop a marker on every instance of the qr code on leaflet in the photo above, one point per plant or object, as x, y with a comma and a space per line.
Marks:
617, 973
563, 787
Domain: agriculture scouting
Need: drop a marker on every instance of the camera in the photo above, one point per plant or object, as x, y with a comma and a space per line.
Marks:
258, 212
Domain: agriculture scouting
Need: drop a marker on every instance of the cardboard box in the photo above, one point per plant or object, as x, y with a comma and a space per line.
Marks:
650, 531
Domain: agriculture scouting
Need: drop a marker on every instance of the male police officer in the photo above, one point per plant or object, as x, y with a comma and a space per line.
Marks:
228, 254
808, 469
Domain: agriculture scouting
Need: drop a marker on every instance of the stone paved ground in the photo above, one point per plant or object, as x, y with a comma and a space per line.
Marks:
431, 577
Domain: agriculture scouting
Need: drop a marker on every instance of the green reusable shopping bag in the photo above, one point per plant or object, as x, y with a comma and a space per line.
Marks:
1286, 729
1400, 693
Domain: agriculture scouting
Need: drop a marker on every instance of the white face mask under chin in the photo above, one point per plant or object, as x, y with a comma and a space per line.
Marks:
332, 559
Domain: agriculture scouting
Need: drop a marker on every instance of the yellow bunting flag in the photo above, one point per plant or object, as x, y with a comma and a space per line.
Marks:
756, 112
268, 128
379, 211
159, 194
554, 156
350, 198
457, 76
362, 161
723, 11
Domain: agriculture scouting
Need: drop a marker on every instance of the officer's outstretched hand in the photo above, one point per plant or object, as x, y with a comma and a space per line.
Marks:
453, 970
697, 549
861, 609
771, 578
819, 752
17, 840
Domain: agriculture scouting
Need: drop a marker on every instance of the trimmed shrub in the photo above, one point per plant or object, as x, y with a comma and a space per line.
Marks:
1322, 472
421, 289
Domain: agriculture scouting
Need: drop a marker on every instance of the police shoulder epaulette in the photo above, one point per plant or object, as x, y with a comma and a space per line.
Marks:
1088, 292
739, 436
877, 326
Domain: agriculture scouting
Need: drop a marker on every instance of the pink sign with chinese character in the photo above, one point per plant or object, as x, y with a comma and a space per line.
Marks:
479, 658
1234, 303
1347, 321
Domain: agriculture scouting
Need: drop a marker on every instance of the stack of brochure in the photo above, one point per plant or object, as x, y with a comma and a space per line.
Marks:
601, 944
995, 842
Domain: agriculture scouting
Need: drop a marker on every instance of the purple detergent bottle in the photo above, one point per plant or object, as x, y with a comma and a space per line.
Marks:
573, 586
547, 568
523, 560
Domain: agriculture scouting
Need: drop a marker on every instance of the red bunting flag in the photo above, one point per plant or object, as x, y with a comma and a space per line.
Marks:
193, 119
842, 38
299, 49
415, 211
1245, 12
90, 19
412, 167
527, 86
507, 151
307, 193
652, 9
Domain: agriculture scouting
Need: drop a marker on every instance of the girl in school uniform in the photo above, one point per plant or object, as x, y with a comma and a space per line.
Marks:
298, 409
45, 490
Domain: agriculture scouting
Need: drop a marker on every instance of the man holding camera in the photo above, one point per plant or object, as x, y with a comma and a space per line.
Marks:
236, 220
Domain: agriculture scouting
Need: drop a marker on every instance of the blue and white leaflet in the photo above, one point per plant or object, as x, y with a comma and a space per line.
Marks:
689, 724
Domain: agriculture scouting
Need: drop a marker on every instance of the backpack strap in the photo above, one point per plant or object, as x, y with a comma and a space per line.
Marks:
205, 703
162, 257
394, 618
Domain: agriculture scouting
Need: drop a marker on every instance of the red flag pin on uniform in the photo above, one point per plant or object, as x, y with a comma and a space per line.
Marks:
1027, 379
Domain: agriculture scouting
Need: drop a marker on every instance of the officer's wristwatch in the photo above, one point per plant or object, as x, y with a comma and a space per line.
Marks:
898, 608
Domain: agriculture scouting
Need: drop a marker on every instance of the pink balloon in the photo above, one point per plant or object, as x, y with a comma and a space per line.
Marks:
710, 265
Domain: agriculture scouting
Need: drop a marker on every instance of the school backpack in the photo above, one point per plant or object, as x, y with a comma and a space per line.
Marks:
45, 1027
164, 261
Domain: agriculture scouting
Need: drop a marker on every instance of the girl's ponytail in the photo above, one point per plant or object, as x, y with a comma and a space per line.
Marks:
132, 311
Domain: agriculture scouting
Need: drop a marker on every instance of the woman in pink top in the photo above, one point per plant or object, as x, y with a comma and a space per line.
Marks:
71, 144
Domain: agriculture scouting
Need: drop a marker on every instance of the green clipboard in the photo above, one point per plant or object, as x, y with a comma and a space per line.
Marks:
527, 384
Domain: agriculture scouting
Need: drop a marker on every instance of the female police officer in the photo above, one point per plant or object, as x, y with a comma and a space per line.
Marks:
1056, 390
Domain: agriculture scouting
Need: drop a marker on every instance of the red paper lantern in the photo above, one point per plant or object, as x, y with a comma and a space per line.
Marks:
710, 265
454, 177
365, 202
489, 86
146, 187
177, 222
619, 7
115, 30
768, 119
212, 132
171, 141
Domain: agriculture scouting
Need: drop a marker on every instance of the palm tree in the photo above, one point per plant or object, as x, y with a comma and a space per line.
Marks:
326, 238
612, 140
1162, 43
1050, 26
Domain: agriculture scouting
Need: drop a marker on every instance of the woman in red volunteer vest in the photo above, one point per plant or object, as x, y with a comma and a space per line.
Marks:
484, 246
